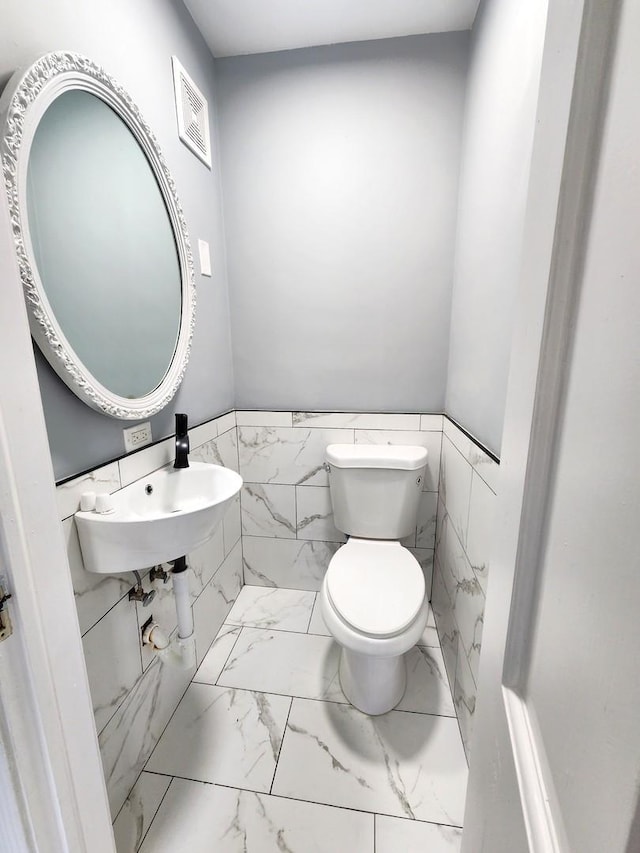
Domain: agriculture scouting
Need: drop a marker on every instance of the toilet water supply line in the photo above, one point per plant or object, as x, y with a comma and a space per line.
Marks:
181, 651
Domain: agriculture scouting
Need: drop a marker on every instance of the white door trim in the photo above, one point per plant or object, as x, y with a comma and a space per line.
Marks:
542, 816
46, 716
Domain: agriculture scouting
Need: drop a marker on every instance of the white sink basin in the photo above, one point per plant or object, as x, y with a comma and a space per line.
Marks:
163, 516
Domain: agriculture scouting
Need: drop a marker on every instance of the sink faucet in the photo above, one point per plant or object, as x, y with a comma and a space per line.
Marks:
182, 442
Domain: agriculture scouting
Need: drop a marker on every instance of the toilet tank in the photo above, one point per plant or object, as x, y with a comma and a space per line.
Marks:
375, 489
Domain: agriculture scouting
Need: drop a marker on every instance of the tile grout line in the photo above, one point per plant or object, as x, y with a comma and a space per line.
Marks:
315, 600
345, 704
309, 633
122, 699
215, 684
155, 814
288, 798
182, 695
284, 733
143, 575
276, 628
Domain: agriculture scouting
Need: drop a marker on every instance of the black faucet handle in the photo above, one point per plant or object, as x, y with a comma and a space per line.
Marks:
182, 442
181, 424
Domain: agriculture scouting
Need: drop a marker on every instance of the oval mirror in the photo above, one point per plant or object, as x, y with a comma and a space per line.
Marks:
101, 240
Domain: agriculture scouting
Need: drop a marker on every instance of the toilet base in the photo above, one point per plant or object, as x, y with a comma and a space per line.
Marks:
374, 685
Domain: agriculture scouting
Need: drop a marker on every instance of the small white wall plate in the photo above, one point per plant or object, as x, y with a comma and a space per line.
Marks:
205, 257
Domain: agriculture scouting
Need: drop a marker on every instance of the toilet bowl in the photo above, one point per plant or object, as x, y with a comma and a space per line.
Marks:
374, 605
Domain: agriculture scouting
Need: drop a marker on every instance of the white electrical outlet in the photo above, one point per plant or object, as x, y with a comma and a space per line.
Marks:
137, 436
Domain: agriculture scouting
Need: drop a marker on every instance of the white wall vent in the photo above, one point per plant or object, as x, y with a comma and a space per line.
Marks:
192, 112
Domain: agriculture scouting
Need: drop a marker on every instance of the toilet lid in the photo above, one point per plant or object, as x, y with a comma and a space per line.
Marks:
377, 587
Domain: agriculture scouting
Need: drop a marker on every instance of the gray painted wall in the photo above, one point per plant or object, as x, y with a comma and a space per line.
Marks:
340, 170
134, 43
500, 113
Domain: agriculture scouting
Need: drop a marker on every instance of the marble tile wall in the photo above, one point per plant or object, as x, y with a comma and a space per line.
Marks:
466, 507
279, 533
288, 535
133, 695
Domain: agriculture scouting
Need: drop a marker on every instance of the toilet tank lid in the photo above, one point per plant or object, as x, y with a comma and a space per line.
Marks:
407, 458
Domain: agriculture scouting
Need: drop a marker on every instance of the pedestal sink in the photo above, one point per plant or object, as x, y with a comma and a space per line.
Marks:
158, 518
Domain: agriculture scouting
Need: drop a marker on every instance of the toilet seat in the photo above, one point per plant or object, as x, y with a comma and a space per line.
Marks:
376, 587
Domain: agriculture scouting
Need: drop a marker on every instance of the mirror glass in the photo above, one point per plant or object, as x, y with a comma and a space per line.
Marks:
103, 244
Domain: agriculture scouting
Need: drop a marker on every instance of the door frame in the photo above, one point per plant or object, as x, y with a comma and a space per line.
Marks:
510, 786
46, 718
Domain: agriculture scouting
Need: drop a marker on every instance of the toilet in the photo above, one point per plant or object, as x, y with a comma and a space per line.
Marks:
373, 596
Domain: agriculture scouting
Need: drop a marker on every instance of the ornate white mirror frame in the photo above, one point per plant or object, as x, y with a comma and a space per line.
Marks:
23, 103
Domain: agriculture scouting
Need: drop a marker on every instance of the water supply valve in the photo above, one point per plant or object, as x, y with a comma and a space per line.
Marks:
158, 573
137, 593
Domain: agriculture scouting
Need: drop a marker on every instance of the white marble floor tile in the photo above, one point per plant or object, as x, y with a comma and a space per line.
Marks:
223, 735
266, 607
203, 818
306, 666
138, 811
317, 624
427, 684
303, 665
394, 834
401, 764
216, 657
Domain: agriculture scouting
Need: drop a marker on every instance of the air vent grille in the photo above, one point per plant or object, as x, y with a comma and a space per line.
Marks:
193, 114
